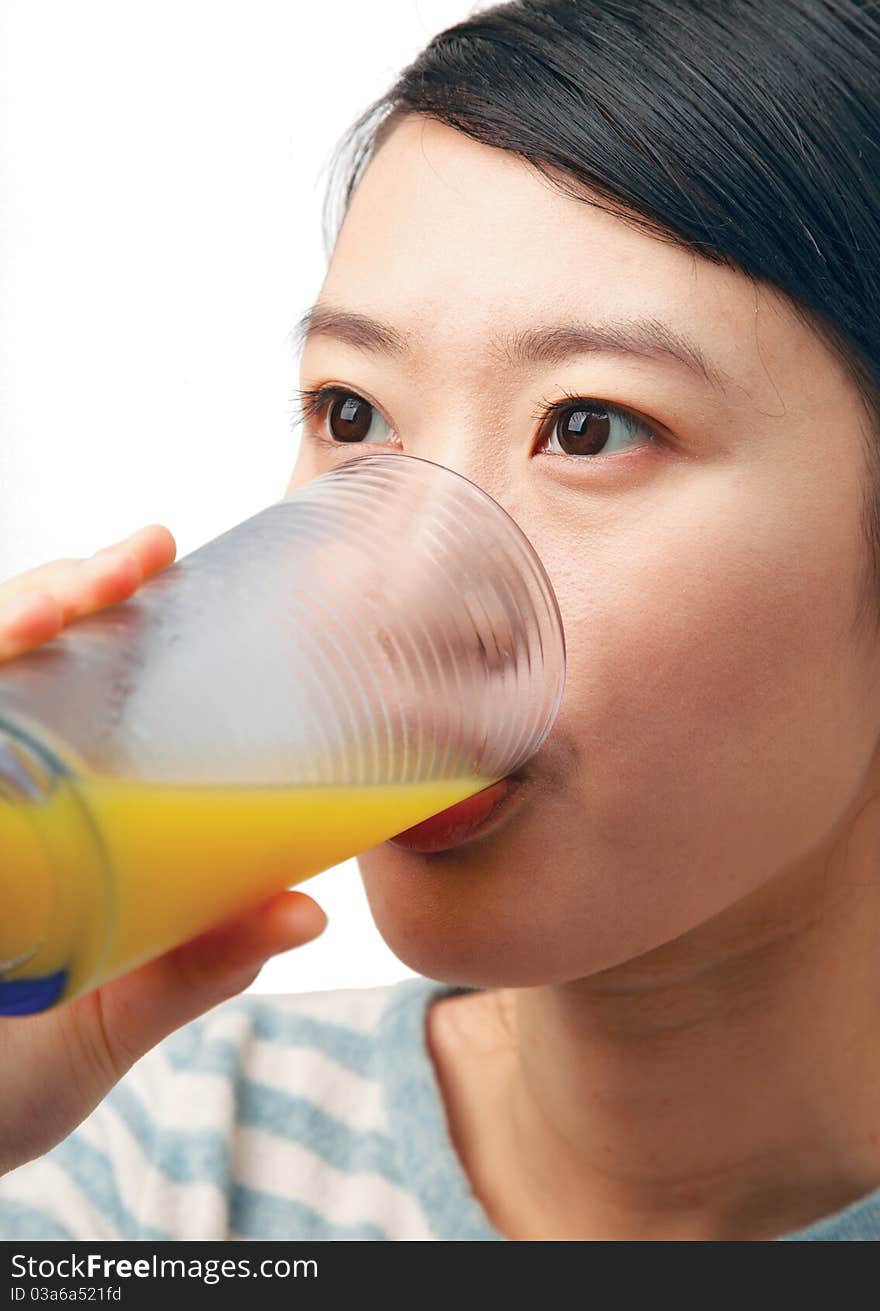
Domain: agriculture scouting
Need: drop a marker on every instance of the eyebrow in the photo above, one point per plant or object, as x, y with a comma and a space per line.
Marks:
650, 339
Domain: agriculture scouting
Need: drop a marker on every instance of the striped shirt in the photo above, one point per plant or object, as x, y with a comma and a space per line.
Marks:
310, 1116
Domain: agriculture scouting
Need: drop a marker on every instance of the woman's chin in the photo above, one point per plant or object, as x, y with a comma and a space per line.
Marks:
460, 923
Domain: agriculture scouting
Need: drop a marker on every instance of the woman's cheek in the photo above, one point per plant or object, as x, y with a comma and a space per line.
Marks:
714, 702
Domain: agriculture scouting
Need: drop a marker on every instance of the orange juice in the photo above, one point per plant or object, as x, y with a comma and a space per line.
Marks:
105, 874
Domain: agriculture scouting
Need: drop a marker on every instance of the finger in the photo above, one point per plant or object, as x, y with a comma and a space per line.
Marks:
115, 572
112, 574
154, 548
243, 945
141, 1008
27, 622
78, 587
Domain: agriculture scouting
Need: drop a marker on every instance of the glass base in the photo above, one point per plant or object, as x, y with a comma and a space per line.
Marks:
54, 881
27, 996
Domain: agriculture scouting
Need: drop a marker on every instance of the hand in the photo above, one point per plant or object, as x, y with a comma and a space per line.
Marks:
56, 1066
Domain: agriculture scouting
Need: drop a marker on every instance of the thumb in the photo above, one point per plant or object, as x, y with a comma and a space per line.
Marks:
141, 1008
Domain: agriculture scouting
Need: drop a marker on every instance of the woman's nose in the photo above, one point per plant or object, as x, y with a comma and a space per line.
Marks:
461, 451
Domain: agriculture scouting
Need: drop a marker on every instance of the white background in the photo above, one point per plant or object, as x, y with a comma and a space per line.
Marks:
162, 171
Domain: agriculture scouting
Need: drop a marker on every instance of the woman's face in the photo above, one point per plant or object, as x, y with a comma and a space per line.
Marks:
702, 536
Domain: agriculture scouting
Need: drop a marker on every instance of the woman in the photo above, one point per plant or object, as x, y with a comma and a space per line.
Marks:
616, 262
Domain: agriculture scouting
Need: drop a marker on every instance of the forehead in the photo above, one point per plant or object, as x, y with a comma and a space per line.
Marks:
460, 220
453, 241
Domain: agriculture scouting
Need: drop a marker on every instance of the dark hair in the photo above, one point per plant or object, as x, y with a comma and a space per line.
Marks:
745, 130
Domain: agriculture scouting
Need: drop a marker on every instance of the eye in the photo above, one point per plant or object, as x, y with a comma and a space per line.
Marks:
576, 426
346, 415
582, 426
